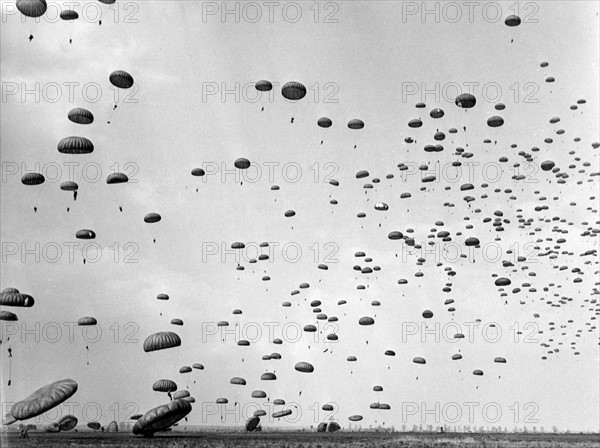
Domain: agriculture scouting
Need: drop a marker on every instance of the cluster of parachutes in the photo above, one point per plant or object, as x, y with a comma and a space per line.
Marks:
165, 416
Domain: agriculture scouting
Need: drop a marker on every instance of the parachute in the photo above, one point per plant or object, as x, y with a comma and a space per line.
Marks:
181, 394
121, 79
32, 8
356, 124
242, 163
419, 360
502, 281
324, 122
293, 91
436, 113
67, 422
7, 316
263, 85
162, 296
268, 376
80, 116
495, 122
185, 369
512, 21
69, 186
283, 413
465, 100
32, 179
252, 423
87, 321
85, 234
355, 418
472, 241
164, 386
44, 399
112, 427
161, 341
75, 145
198, 172
69, 14
304, 367
152, 218
117, 178
94, 425
366, 320
237, 380
162, 417
12, 297
500, 359
547, 165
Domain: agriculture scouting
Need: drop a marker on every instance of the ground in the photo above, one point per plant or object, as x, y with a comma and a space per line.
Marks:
301, 439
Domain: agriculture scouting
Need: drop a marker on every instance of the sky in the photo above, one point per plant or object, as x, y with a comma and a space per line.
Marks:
194, 105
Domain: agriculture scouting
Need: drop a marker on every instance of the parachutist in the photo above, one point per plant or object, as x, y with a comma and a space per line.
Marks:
100, 24
292, 120
68, 208
35, 209
30, 37
120, 209
70, 41
262, 109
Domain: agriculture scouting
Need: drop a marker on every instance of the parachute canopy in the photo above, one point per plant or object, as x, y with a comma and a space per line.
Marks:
44, 399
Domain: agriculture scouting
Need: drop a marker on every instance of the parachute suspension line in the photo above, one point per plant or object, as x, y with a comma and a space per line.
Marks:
9, 366
117, 201
111, 114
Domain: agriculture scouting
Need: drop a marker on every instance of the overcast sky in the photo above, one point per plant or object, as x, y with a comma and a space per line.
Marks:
194, 105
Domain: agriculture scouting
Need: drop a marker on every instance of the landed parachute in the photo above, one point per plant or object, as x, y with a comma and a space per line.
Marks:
67, 422
44, 399
162, 417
